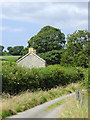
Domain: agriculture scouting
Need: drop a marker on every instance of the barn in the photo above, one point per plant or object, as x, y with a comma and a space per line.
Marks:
31, 60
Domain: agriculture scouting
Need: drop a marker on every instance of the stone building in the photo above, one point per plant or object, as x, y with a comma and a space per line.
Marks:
31, 60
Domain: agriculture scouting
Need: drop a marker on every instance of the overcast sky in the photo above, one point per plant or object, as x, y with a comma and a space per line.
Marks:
22, 20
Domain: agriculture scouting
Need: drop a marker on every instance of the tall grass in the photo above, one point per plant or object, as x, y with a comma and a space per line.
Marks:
13, 104
25, 100
58, 103
72, 109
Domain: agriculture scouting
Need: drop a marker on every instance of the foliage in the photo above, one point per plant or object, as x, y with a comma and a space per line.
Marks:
9, 48
52, 57
49, 43
62, 101
49, 38
74, 110
5, 53
15, 50
24, 51
77, 41
77, 49
86, 81
1, 49
13, 104
16, 79
88, 34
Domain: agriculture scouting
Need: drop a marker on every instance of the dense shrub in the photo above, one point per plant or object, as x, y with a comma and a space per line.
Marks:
77, 49
86, 81
16, 79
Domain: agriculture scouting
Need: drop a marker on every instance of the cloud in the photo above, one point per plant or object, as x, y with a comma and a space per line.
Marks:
9, 29
65, 15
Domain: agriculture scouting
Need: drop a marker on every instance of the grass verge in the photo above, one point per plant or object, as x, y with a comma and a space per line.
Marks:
58, 103
72, 109
11, 105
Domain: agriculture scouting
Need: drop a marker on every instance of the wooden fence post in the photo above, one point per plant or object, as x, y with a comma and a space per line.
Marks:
82, 97
78, 96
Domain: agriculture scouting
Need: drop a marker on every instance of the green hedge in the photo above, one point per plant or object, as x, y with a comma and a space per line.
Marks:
16, 79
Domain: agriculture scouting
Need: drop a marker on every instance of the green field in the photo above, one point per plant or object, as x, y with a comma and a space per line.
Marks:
9, 58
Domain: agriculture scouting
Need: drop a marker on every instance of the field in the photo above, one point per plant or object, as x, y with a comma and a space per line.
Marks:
9, 58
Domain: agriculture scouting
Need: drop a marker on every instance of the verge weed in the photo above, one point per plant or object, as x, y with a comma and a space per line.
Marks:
72, 109
13, 104
58, 103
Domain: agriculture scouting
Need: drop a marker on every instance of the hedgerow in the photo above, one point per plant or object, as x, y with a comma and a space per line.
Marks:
16, 79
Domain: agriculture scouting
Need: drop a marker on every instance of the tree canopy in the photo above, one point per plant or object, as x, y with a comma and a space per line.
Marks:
77, 49
49, 38
77, 41
52, 57
15, 50
1, 49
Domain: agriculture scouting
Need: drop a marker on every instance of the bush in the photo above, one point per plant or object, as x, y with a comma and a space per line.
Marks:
85, 82
16, 79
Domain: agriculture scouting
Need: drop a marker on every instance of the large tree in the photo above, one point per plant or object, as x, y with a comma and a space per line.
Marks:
77, 41
77, 49
49, 38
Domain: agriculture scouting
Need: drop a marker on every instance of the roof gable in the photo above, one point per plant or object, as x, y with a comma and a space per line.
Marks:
29, 54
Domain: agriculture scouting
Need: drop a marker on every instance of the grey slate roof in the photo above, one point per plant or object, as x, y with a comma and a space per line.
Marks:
28, 54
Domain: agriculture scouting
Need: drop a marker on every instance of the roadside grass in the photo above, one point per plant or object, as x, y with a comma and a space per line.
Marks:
75, 86
72, 109
11, 105
58, 103
9, 58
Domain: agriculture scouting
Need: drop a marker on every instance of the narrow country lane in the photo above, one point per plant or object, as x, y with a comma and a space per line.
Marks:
41, 110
